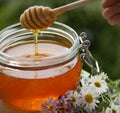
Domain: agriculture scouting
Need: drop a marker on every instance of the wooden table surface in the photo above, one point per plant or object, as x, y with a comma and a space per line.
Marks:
6, 109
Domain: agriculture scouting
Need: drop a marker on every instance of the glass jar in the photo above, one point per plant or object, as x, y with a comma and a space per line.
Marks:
27, 80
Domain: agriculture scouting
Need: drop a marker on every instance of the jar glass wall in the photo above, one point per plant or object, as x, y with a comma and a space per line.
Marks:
27, 80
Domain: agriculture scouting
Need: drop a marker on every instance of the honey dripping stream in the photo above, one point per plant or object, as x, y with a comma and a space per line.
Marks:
36, 50
36, 53
35, 33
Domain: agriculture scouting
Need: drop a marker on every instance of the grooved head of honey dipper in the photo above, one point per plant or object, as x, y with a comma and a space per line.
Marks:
37, 18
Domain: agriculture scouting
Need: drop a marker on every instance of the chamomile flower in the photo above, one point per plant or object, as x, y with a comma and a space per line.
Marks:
88, 98
98, 83
85, 74
75, 97
113, 109
103, 76
84, 77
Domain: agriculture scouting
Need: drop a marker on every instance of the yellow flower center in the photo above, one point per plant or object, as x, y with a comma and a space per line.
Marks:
73, 99
97, 84
114, 111
49, 107
89, 98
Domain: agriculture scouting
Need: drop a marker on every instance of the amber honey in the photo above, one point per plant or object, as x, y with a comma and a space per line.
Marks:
36, 70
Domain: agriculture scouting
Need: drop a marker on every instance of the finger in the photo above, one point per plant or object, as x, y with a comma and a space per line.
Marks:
111, 11
107, 3
114, 19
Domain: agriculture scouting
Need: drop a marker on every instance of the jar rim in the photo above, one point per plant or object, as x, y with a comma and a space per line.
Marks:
14, 61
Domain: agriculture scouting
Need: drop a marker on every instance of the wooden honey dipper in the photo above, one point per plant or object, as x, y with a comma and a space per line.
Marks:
39, 17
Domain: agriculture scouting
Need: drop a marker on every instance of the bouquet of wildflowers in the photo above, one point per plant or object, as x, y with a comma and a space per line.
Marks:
94, 94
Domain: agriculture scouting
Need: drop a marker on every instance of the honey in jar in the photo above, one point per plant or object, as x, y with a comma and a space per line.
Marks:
27, 79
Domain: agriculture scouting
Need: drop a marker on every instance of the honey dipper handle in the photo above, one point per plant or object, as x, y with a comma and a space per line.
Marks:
71, 6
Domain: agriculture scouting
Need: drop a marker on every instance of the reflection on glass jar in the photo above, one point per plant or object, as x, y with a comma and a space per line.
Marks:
26, 80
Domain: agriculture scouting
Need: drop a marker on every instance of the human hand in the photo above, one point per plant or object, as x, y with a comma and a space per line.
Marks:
111, 11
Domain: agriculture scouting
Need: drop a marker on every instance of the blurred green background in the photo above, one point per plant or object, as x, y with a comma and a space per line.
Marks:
105, 39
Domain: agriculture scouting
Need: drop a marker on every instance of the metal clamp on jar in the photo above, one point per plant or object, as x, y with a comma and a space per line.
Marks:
86, 55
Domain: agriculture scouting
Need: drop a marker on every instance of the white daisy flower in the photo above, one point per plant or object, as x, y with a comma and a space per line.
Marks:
84, 77
85, 74
76, 99
98, 83
113, 109
88, 98
103, 76
75, 96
